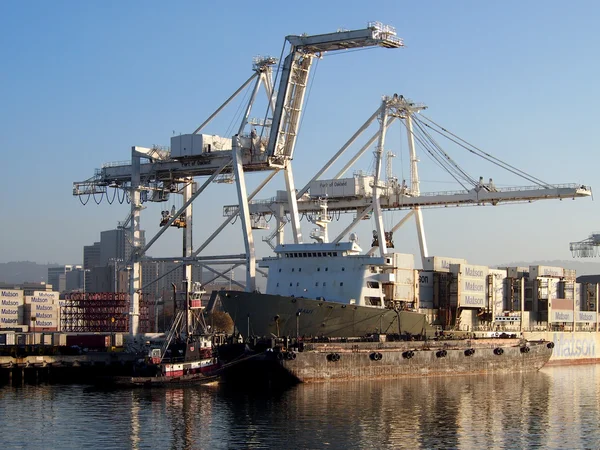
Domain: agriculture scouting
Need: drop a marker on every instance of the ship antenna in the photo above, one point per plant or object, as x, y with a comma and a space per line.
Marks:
323, 219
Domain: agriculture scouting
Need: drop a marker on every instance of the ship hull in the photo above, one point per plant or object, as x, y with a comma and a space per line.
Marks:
341, 361
256, 314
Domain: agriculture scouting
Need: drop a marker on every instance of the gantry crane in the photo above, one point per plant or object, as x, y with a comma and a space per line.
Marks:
391, 195
197, 155
588, 248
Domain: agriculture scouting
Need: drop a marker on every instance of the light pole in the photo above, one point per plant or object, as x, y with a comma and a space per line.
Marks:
116, 261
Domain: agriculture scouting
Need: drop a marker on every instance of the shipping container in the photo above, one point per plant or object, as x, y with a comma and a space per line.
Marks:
497, 290
41, 311
59, 339
517, 272
469, 270
33, 339
546, 271
586, 316
570, 274
38, 323
51, 295
441, 263
188, 145
562, 316
118, 340
47, 339
425, 289
403, 260
91, 341
33, 300
467, 319
16, 295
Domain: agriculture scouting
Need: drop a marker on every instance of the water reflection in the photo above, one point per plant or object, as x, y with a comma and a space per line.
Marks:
554, 408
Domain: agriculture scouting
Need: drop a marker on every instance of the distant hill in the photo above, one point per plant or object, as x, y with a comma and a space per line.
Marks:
581, 266
24, 271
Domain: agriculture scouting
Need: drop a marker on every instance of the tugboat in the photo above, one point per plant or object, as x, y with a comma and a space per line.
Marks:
185, 357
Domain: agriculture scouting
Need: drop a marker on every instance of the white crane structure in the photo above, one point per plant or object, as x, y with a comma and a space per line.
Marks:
196, 155
154, 173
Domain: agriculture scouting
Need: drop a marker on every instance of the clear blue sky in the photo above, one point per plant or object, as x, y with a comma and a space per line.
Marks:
81, 82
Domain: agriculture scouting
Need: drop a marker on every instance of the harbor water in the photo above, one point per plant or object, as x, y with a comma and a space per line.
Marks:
556, 408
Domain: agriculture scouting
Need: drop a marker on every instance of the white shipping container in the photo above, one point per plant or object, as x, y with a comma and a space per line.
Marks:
499, 289
441, 263
562, 316
586, 316
40, 315
404, 260
469, 270
33, 300
11, 297
471, 300
10, 339
47, 294
43, 323
35, 308
546, 271
11, 311
467, 320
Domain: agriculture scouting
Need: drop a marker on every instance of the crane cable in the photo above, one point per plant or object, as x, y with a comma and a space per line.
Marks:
478, 152
436, 158
445, 155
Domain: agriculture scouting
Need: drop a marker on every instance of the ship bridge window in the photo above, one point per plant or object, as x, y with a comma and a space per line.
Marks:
318, 269
305, 255
292, 269
373, 284
341, 283
317, 283
373, 301
373, 270
319, 254
326, 269
334, 253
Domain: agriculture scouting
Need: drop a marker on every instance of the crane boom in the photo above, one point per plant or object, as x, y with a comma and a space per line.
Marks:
295, 74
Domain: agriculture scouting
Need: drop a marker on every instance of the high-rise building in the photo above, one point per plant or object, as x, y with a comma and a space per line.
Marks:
91, 259
57, 277
117, 245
